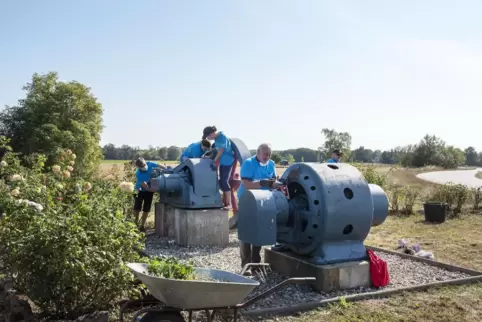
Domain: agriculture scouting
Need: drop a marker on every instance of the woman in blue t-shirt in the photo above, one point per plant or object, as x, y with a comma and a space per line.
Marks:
225, 157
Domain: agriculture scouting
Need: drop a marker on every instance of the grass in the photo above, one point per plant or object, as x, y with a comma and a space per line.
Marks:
479, 175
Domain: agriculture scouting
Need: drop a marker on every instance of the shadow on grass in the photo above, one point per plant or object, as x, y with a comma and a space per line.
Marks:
429, 223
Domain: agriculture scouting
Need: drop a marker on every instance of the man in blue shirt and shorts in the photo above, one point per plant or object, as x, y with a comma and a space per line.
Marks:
195, 150
142, 196
257, 168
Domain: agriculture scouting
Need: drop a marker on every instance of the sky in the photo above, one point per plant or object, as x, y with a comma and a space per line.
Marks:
275, 71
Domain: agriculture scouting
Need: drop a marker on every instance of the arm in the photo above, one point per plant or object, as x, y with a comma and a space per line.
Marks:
157, 165
218, 156
221, 144
247, 176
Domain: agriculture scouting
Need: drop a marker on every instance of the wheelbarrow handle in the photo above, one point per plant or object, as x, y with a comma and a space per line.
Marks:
293, 280
250, 265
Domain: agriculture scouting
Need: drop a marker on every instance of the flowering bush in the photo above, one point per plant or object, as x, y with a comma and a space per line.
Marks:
65, 241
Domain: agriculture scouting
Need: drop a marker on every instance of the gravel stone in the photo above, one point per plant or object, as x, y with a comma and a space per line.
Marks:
403, 272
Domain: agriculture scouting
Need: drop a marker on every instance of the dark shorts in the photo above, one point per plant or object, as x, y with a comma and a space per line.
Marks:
143, 201
224, 176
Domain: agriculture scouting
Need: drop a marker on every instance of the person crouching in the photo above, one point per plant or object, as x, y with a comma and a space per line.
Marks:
142, 196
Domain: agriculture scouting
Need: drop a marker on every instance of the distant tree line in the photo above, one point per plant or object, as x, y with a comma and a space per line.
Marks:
56, 115
431, 150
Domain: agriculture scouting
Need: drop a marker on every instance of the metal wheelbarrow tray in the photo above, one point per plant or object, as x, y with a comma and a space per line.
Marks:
221, 290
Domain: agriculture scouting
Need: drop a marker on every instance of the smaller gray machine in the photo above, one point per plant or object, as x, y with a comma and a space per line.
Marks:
194, 183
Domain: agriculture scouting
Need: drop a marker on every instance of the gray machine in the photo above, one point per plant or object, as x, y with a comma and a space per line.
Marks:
326, 217
194, 184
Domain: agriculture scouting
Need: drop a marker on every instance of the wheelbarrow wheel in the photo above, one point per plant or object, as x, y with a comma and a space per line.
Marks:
162, 317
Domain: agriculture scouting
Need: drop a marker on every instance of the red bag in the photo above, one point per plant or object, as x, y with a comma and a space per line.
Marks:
378, 270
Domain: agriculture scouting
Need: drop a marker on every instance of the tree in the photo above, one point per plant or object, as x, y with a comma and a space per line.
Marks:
290, 158
110, 152
335, 140
173, 153
362, 155
471, 156
56, 115
430, 151
453, 157
276, 157
162, 153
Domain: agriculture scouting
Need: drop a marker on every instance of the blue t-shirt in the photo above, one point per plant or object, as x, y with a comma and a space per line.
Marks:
222, 141
251, 170
332, 161
194, 150
142, 176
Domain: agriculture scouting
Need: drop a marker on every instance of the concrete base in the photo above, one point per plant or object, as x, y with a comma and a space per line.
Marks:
328, 277
233, 221
164, 220
201, 227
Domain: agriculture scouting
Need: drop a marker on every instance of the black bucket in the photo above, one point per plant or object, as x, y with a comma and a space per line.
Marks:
435, 211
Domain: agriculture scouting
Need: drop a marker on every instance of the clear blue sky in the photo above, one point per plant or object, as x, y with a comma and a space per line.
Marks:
271, 71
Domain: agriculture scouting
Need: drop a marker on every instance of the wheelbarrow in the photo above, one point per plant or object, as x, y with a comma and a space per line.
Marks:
220, 290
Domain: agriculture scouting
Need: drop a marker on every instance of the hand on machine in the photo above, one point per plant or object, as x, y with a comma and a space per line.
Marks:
270, 183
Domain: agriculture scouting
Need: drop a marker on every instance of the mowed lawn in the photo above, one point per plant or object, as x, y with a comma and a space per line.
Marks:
457, 241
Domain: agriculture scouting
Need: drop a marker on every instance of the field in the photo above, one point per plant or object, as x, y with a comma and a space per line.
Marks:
457, 241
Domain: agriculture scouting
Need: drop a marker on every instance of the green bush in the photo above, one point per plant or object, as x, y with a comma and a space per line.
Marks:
476, 198
65, 241
455, 195
402, 200
394, 194
373, 176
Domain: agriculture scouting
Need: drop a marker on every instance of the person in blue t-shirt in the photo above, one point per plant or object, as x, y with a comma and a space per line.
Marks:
254, 169
335, 156
195, 150
225, 156
142, 195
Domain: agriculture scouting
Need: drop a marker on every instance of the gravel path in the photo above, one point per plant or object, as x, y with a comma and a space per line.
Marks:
465, 177
403, 272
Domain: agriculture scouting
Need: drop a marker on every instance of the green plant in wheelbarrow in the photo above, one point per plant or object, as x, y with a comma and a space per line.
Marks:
174, 268
171, 268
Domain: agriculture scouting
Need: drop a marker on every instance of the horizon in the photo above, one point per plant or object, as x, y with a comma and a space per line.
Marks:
387, 73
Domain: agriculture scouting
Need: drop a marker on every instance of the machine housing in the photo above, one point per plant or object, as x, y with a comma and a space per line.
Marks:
194, 183
326, 216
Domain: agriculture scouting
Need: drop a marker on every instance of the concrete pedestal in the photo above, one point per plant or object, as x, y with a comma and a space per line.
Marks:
328, 277
164, 220
201, 227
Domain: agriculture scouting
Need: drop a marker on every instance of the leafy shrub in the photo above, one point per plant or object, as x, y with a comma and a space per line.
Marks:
402, 200
455, 195
394, 194
373, 176
410, 195
65, 241
476, 198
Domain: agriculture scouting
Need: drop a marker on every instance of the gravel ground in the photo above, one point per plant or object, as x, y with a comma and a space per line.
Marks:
403, 272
